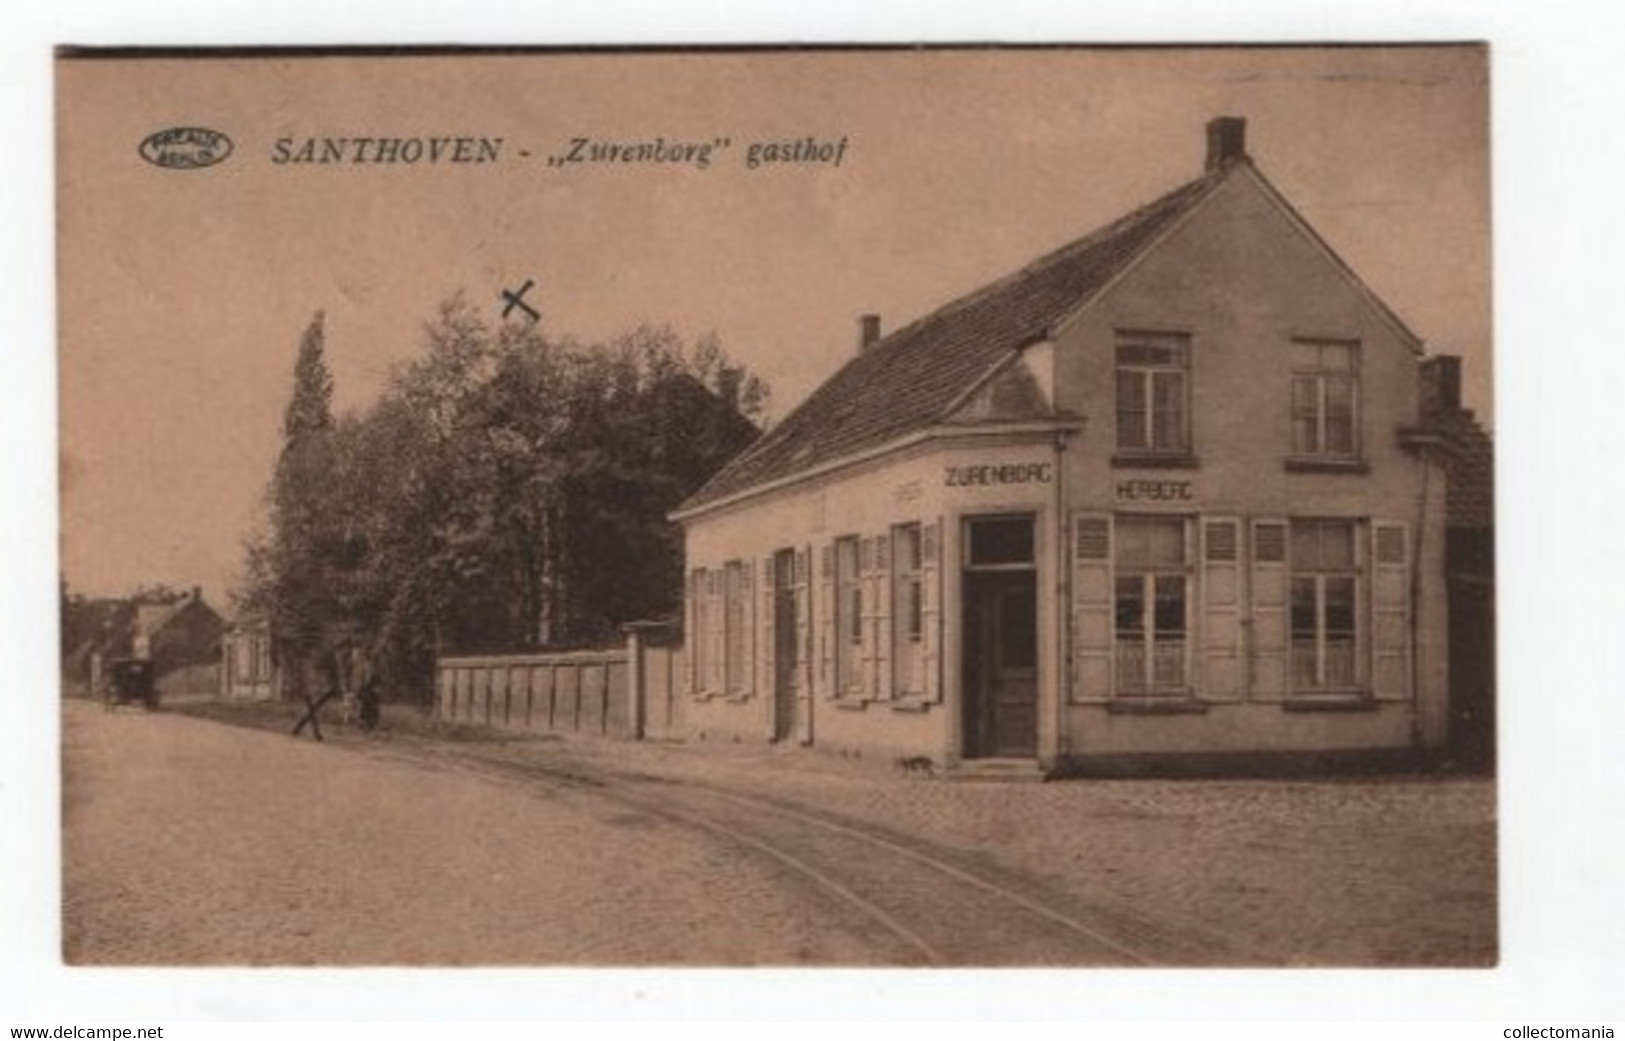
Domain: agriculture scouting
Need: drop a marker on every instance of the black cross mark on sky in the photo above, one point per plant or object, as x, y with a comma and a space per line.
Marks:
516, 298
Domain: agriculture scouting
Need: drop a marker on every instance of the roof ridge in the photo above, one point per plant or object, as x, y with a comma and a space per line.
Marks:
1038, 309
1063, 252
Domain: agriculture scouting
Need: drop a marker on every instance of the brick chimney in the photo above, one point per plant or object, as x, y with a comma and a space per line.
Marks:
1226, 141
868, 331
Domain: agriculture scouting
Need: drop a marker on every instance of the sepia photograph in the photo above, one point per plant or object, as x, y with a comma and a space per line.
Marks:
760, 507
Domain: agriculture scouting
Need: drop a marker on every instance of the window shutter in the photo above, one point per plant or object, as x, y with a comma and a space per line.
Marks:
1390, 611
717, 630
801, 582
1270, 588
826, 621
747, 623
692, 635
764, 630
931, 610
802, 675
1091, 606
1221, 607
868, 644
883, 613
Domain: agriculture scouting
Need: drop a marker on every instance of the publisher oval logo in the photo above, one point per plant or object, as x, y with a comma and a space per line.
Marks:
186, 148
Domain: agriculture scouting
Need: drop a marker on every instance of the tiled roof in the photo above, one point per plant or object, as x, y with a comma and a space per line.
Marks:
906, 382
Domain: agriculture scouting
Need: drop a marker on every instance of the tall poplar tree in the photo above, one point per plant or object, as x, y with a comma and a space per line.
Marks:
303, 495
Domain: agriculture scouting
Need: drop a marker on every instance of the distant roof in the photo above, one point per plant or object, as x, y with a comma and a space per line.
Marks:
908, 381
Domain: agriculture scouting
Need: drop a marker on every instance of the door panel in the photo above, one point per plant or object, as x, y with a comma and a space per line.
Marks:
1001, 664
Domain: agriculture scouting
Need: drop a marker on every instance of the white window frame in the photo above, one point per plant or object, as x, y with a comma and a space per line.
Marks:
1323, 683
1147, 575
1317, 378
1146, 373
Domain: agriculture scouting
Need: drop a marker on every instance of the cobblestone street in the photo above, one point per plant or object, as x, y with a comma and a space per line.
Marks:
191, 842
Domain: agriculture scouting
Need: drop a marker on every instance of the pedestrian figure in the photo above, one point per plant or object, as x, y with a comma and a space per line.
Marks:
368, 690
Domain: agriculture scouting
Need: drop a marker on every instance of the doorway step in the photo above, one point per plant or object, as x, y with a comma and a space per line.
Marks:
993, 769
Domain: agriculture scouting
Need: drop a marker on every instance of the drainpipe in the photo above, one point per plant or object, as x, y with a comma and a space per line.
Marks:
1415, 619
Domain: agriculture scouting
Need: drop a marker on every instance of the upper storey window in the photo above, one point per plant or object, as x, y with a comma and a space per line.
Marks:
1325, 399
1153, 393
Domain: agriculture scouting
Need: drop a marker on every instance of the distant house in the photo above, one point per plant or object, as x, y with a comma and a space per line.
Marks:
180, 633
1167, 492
1469, 457
95, 632
247, 671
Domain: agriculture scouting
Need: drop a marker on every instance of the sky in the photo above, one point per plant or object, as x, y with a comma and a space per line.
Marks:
182, 294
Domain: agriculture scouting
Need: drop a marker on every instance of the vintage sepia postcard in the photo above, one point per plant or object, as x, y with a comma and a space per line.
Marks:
841, 506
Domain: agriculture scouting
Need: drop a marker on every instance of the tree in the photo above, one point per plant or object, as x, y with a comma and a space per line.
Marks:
507, 491
306, 540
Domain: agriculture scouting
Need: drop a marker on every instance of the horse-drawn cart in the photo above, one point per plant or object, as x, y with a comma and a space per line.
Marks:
128, 680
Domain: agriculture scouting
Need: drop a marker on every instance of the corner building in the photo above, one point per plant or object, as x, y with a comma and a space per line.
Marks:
1164, 493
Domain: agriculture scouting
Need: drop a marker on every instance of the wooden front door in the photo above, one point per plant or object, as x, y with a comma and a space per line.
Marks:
1001, 664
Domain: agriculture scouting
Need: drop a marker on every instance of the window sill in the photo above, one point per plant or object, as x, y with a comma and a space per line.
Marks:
1300, 465
1155, 705
911, 703
737, 698
851, 704
1156, 461
1329, 703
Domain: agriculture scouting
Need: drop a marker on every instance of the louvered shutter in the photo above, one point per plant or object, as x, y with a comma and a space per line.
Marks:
883, 614
1091, 606
693, 636
931, 610
765, 649
826, 682
1271, 592
717, 626
867, 644
1390, 610
803, 672
802, 582
1221, 608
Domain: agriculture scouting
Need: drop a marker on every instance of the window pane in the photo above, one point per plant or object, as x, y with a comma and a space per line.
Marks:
1305, 415
1145, 542
1340, 415
1131, 607
1303, 609
1131, 410
1167, 541
1322, 546
1337, 546
1170, 614
1340, 435
907, 550
1003, 540
1340, 612
1168, 410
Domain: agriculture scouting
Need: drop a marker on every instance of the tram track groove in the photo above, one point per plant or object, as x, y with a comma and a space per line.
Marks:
612, 785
